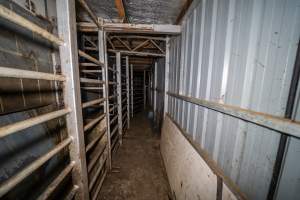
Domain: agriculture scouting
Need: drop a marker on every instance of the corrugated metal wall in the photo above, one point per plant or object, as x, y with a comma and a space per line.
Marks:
240, 53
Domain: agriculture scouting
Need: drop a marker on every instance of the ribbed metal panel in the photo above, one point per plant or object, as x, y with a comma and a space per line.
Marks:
240, 53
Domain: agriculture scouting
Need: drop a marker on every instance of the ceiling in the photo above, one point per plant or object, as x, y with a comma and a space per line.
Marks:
138, 11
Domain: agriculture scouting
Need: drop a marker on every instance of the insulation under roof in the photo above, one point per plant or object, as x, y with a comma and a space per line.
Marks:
140, 11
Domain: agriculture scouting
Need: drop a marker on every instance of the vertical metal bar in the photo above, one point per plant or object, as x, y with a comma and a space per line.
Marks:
103, 59
66, 20
119, 93
127, 91
155, 90
167, 66
131, 83
144, 84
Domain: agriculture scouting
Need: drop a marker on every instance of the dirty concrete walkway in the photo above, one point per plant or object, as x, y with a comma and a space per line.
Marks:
139, 169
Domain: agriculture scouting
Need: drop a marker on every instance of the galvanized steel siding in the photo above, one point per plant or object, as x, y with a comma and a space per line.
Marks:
239, 53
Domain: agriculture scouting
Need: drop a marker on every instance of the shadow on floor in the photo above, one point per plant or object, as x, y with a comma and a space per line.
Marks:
138, 172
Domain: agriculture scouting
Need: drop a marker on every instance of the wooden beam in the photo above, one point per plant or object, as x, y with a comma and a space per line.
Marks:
158, 47
140, 37
90, 12
122, 42
121, 10
135, 53
132, 28
140, 45
184, 9
110, 42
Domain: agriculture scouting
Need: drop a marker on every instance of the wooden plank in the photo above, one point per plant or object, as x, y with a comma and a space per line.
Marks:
90, 12
121, 10
189, 176
131, 28
136, 53
179, 152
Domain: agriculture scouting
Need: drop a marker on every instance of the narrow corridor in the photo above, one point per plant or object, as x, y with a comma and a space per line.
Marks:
138, 171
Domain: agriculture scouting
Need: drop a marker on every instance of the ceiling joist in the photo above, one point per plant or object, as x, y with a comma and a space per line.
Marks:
90, 12
121, 10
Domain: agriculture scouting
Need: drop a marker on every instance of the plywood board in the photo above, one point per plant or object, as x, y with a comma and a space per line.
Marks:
189, 176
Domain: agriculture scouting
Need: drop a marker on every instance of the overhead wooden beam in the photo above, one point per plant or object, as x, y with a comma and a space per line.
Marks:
184, 9
90, 12
121, 10
135, 53
132, 28
140, 37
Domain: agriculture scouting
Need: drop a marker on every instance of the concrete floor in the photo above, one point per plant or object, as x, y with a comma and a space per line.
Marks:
138, 172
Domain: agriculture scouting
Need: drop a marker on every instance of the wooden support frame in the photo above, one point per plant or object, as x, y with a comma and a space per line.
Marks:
121, 10
103, 59
131, 28
90, 12
167, 69
131, 88
136, 53
69, 64
119, 93
127, 92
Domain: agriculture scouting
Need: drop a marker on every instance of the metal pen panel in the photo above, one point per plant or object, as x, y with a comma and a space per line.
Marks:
66, 20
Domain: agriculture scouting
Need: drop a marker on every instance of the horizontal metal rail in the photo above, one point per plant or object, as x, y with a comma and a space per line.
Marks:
88, 65
52, 187
112, 108
27, 74
18, 126
13, 181
92, 88
124, 116
112, 83
25, 23
72, 193
114, 142
95, 159
124, 124
96, 176
90, 58
89, 80
93, 122
99, 186
114, 131
272, 122
93, 102
91, 71
113, 70
112, 96
114, 119
95, 140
